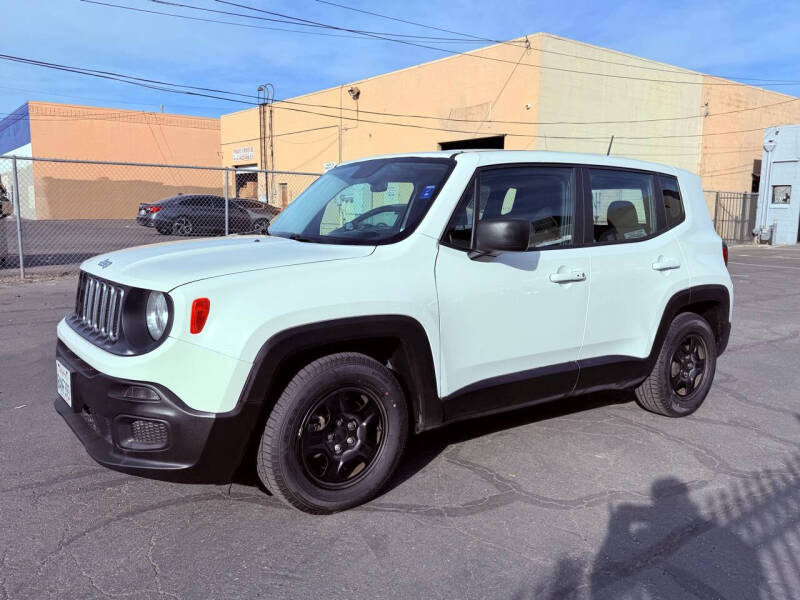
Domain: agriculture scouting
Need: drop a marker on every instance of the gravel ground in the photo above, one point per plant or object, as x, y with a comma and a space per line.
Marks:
587, 498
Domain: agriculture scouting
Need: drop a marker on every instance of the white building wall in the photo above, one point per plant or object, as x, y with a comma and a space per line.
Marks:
780, 166
27, 195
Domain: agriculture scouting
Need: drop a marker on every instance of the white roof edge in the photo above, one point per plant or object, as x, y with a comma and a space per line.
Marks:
490, 157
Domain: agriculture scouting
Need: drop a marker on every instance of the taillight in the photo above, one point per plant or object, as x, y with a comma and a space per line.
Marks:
152, 209
725, 252
200, 310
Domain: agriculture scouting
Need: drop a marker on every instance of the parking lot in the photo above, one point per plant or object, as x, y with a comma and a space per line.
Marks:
587, 498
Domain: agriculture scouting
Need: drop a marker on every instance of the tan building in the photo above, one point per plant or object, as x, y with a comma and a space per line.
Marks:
542, 92
56, 190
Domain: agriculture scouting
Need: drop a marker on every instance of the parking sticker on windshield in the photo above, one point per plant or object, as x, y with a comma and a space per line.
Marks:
427, 191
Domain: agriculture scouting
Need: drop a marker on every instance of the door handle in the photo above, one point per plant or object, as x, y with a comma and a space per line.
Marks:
665, 264
568, 277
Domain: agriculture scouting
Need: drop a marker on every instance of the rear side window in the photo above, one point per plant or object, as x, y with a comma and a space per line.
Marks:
623, 205
673, 204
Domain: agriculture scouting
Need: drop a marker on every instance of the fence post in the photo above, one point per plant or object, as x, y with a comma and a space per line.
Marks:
226, 201
19, 217
716, 211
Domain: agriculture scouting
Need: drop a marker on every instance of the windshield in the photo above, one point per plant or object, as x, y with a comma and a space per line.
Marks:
369, 202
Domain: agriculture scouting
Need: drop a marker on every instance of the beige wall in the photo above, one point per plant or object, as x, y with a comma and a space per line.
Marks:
727, 159
563, 105
73, 190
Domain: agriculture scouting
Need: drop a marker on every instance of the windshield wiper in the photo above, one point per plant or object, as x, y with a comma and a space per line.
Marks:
298, 238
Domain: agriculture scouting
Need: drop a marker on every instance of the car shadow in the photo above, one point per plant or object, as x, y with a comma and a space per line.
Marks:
423, 448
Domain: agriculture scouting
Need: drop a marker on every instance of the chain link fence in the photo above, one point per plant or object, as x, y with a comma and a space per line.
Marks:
57, 213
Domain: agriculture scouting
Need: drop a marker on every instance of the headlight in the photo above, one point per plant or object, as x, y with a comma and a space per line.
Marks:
157, 314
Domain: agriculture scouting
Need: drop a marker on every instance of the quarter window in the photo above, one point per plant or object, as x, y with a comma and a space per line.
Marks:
623, 207
673, 205
543, 196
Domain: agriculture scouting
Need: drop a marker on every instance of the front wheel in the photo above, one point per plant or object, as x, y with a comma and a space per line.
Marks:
684, 370
335, 435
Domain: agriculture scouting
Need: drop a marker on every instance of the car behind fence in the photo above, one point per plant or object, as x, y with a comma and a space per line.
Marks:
61, 212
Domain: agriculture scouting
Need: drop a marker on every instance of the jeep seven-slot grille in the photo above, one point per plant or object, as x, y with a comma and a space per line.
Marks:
98, 306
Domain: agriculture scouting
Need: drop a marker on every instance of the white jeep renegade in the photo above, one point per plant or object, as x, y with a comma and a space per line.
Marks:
416, 289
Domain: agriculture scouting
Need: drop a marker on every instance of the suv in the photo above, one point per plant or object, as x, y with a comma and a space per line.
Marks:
507, 279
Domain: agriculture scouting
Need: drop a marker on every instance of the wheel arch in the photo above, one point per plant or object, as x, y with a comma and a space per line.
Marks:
398, 341
712, 302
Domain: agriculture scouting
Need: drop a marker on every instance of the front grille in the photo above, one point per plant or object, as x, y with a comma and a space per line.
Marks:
98, 306
149, 432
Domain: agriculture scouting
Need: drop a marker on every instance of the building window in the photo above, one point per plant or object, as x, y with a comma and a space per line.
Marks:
781, 194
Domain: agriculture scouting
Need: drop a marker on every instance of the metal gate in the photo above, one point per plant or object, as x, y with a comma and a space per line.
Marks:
735, 215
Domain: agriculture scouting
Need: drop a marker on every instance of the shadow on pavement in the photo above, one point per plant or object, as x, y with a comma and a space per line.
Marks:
425, 447
741, 543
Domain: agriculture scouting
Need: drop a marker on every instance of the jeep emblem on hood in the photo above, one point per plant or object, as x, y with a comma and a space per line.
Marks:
104, 263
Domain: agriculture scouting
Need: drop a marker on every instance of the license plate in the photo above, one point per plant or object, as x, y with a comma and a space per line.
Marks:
64, 382
141, 211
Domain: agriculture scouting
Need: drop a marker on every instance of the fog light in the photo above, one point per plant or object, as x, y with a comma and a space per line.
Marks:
138, 392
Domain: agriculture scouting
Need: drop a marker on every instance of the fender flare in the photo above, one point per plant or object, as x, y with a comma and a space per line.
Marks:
410, 357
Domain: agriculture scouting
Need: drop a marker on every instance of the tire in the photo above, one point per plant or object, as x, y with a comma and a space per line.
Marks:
162, 230
182, 226
260, 226
677, 386
297, 458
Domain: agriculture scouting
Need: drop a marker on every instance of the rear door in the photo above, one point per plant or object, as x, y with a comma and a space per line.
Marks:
637, 261
517, 318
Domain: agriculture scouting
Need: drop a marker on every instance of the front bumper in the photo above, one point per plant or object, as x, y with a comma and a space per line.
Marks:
159, 438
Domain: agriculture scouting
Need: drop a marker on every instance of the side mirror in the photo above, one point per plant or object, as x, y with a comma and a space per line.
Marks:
501, 235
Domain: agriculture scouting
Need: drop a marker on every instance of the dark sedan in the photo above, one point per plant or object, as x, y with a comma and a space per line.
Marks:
194, 214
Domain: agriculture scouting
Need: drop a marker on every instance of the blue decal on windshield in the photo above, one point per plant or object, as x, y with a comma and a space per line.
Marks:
427, 191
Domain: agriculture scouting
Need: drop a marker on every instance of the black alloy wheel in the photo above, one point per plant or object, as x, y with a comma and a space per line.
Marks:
684, 369
341, 436
335, 434
688, 365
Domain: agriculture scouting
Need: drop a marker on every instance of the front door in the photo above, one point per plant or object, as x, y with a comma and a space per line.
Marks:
516, 319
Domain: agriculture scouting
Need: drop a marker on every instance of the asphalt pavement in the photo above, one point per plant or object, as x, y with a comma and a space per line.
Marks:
586, 498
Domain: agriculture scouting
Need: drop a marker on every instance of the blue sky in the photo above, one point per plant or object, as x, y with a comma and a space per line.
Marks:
734, 38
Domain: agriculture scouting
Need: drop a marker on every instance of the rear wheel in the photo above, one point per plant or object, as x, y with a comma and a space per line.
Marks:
684, 370
261, 226
182, 226
335, 435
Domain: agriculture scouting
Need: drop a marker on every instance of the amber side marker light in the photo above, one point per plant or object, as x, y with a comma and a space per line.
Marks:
200, 310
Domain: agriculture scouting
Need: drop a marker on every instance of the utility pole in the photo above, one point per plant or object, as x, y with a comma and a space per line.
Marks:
266, 96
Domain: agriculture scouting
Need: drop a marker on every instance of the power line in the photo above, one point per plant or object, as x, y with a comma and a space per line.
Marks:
300, 20
367, 12
542, 50
217, 21
160, 85
289, 21
527, 135
504, 122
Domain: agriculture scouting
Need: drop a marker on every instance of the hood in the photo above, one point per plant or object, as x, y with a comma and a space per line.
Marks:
170, 264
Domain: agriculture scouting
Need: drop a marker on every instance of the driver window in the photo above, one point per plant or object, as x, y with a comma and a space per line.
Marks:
543, 196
